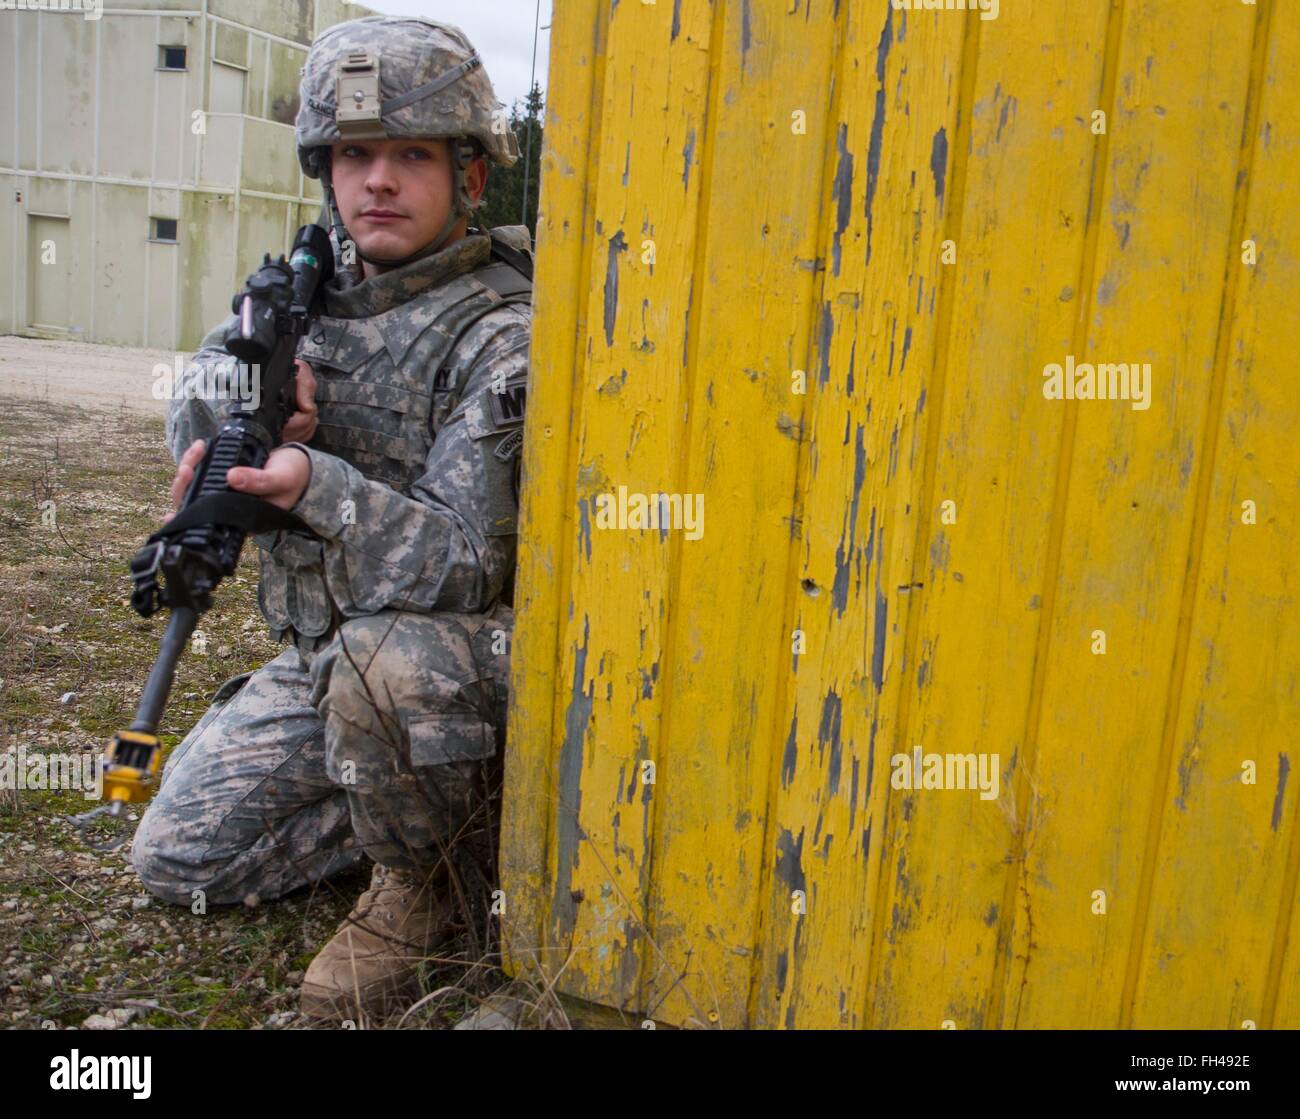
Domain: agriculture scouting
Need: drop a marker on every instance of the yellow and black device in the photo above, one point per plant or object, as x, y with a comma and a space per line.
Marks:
131, 763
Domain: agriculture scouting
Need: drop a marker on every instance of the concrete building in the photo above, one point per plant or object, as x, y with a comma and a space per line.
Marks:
148, 161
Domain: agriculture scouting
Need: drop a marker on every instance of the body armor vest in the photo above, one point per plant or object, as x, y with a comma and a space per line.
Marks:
385, 385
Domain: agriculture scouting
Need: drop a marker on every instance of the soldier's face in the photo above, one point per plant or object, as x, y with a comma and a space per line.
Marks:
395, 195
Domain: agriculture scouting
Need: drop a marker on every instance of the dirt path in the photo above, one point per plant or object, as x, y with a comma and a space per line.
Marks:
84, 373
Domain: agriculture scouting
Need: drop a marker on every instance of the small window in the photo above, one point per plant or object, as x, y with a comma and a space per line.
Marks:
163, 229
171, 58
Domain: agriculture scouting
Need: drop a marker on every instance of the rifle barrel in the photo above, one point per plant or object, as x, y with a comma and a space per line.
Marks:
148, 714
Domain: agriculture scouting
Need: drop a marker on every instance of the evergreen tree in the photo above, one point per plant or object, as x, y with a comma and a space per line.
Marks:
512, 191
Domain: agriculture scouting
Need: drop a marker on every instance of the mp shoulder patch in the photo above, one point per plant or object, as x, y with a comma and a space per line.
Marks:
506, 408
491, 413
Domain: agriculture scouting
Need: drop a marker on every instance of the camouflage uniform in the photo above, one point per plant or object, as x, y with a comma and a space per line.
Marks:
380, 729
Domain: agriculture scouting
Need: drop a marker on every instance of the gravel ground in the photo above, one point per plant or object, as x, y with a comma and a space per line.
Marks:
81, 373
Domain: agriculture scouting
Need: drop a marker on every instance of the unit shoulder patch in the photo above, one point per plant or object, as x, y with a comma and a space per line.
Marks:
507, 406
490, 413
509, 445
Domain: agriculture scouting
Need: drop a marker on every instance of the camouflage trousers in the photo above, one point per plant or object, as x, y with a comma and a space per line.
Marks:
385, 740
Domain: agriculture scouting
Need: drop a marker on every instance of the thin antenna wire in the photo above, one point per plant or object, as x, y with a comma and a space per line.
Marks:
528, 142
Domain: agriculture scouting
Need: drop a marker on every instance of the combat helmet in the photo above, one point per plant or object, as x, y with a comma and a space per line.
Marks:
390, 77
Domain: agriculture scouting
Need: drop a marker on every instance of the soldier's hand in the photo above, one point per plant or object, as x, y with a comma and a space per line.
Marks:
281, 481
301, 426
185, 473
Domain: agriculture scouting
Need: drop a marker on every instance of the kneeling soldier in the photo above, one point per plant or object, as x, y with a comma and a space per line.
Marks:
379, 730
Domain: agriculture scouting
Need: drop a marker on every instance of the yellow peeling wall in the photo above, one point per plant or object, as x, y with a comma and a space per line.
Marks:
738, 190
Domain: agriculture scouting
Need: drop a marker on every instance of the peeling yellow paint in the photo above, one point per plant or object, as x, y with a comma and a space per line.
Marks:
942, 226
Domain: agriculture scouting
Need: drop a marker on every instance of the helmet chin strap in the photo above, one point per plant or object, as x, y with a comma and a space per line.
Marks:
461, 206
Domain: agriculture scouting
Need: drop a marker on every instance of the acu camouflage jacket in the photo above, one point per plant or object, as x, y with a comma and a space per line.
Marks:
421, 382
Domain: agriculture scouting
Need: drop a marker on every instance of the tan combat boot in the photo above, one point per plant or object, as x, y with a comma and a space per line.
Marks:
369, 965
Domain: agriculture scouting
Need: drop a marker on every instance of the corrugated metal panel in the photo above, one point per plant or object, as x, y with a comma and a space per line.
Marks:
920, 211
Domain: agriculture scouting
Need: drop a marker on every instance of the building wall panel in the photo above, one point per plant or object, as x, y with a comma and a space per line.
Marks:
923, 550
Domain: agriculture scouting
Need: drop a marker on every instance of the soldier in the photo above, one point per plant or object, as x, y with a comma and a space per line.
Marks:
378, 731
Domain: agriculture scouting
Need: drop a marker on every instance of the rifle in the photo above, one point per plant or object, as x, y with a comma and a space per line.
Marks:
184, 561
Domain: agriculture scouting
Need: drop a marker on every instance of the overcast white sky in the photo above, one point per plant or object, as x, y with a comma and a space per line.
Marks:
502, 30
